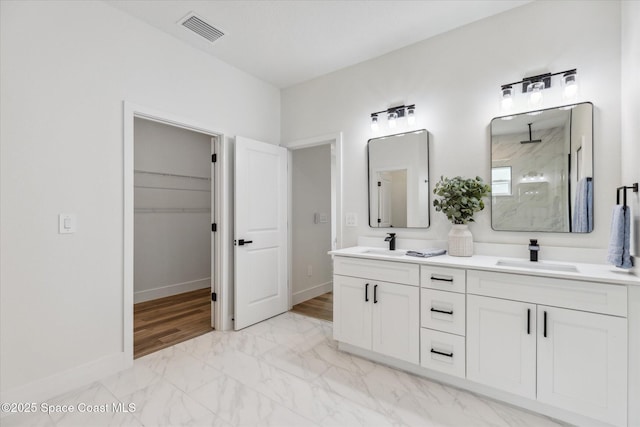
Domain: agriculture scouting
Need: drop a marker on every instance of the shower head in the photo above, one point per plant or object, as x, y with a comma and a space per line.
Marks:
530, 141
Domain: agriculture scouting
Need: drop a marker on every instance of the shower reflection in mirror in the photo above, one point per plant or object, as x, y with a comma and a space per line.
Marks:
542, 170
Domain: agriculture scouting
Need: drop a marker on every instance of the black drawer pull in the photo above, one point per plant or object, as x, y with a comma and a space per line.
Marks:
441, 353
528, 321
545, 325
366, 293
375, 294
435, 310
440, 279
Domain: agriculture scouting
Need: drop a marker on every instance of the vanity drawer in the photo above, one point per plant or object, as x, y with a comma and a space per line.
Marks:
442, 352
567, 293
443, 311
443, 278
386, 271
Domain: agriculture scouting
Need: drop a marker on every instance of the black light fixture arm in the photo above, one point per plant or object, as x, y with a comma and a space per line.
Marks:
546, 78
399, 110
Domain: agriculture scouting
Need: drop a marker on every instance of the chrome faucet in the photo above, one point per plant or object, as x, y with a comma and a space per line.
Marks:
533, 250
391, 238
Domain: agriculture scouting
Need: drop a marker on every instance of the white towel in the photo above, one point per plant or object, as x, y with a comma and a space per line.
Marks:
620, 240
426, 253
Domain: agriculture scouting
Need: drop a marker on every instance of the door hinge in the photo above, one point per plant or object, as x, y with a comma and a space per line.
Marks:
214, 227
379, 184
379, 220
214, 158
214, 297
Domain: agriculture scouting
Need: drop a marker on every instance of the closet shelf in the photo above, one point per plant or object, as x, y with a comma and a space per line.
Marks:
175, 175
171, 210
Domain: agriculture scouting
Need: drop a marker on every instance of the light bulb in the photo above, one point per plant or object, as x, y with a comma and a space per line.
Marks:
569, 86
374, 122
535, 94
506, 99
392, 119
411, 116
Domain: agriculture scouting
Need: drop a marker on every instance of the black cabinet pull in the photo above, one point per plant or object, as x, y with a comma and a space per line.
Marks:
441, 353
441, 279
375, 294
544, 333
528, 321
435, 310
366, 293
243, 242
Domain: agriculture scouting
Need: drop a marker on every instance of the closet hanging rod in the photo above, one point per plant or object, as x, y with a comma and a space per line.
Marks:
175, 175
168, 188
624, 189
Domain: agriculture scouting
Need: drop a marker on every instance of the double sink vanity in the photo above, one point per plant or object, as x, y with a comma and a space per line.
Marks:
556, 338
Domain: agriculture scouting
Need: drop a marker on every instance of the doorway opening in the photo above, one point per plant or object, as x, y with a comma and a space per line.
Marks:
172, 235
172, 197
315, 194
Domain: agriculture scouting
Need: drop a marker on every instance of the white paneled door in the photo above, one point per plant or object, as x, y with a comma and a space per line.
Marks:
261, 289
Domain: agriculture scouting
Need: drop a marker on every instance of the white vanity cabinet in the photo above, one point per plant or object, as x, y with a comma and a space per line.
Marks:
376, 306
565, 345
526, 343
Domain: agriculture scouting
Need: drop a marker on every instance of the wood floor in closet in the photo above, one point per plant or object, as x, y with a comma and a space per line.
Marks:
163, 322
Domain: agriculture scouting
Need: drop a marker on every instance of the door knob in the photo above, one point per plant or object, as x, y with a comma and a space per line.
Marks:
243, 242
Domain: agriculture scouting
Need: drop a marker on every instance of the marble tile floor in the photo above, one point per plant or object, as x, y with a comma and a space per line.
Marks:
286, 371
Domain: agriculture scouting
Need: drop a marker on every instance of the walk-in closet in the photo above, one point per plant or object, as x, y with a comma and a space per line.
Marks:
172, 235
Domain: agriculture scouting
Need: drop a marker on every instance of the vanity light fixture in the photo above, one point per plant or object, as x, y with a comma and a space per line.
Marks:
393, 114
533, 86
570, 86
391, 118
374, 122
506, 100
411, 115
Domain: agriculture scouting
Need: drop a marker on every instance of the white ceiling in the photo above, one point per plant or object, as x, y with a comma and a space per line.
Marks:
291, 41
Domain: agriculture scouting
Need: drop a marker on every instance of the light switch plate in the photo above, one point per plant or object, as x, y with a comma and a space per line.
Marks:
351, 219
67, 223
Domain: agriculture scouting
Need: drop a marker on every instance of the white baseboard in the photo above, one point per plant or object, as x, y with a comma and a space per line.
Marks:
167, 291
47, 388
313, 292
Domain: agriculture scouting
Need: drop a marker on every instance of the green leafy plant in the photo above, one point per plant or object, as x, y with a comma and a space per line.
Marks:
460, 198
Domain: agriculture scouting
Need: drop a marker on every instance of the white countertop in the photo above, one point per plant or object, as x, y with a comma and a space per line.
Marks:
587, 272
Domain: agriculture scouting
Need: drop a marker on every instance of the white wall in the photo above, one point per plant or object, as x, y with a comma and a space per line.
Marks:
630, 90
311, 194
66, 68
454, 80
172, 221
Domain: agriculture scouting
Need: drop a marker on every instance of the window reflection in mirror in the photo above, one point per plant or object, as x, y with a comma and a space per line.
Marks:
542, 170
399, 180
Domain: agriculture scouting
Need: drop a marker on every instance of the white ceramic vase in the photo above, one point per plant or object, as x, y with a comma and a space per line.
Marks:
460, 240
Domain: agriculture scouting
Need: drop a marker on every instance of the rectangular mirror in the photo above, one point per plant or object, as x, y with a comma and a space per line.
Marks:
399, 180
542, 170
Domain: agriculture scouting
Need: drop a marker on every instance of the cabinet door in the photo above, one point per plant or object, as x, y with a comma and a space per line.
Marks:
352, 311
582, 363
501, 344
396, 321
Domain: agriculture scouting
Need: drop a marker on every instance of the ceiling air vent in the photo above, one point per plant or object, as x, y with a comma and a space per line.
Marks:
201, 28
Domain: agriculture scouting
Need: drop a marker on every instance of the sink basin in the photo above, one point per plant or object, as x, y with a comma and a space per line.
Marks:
541, 265
376, 251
